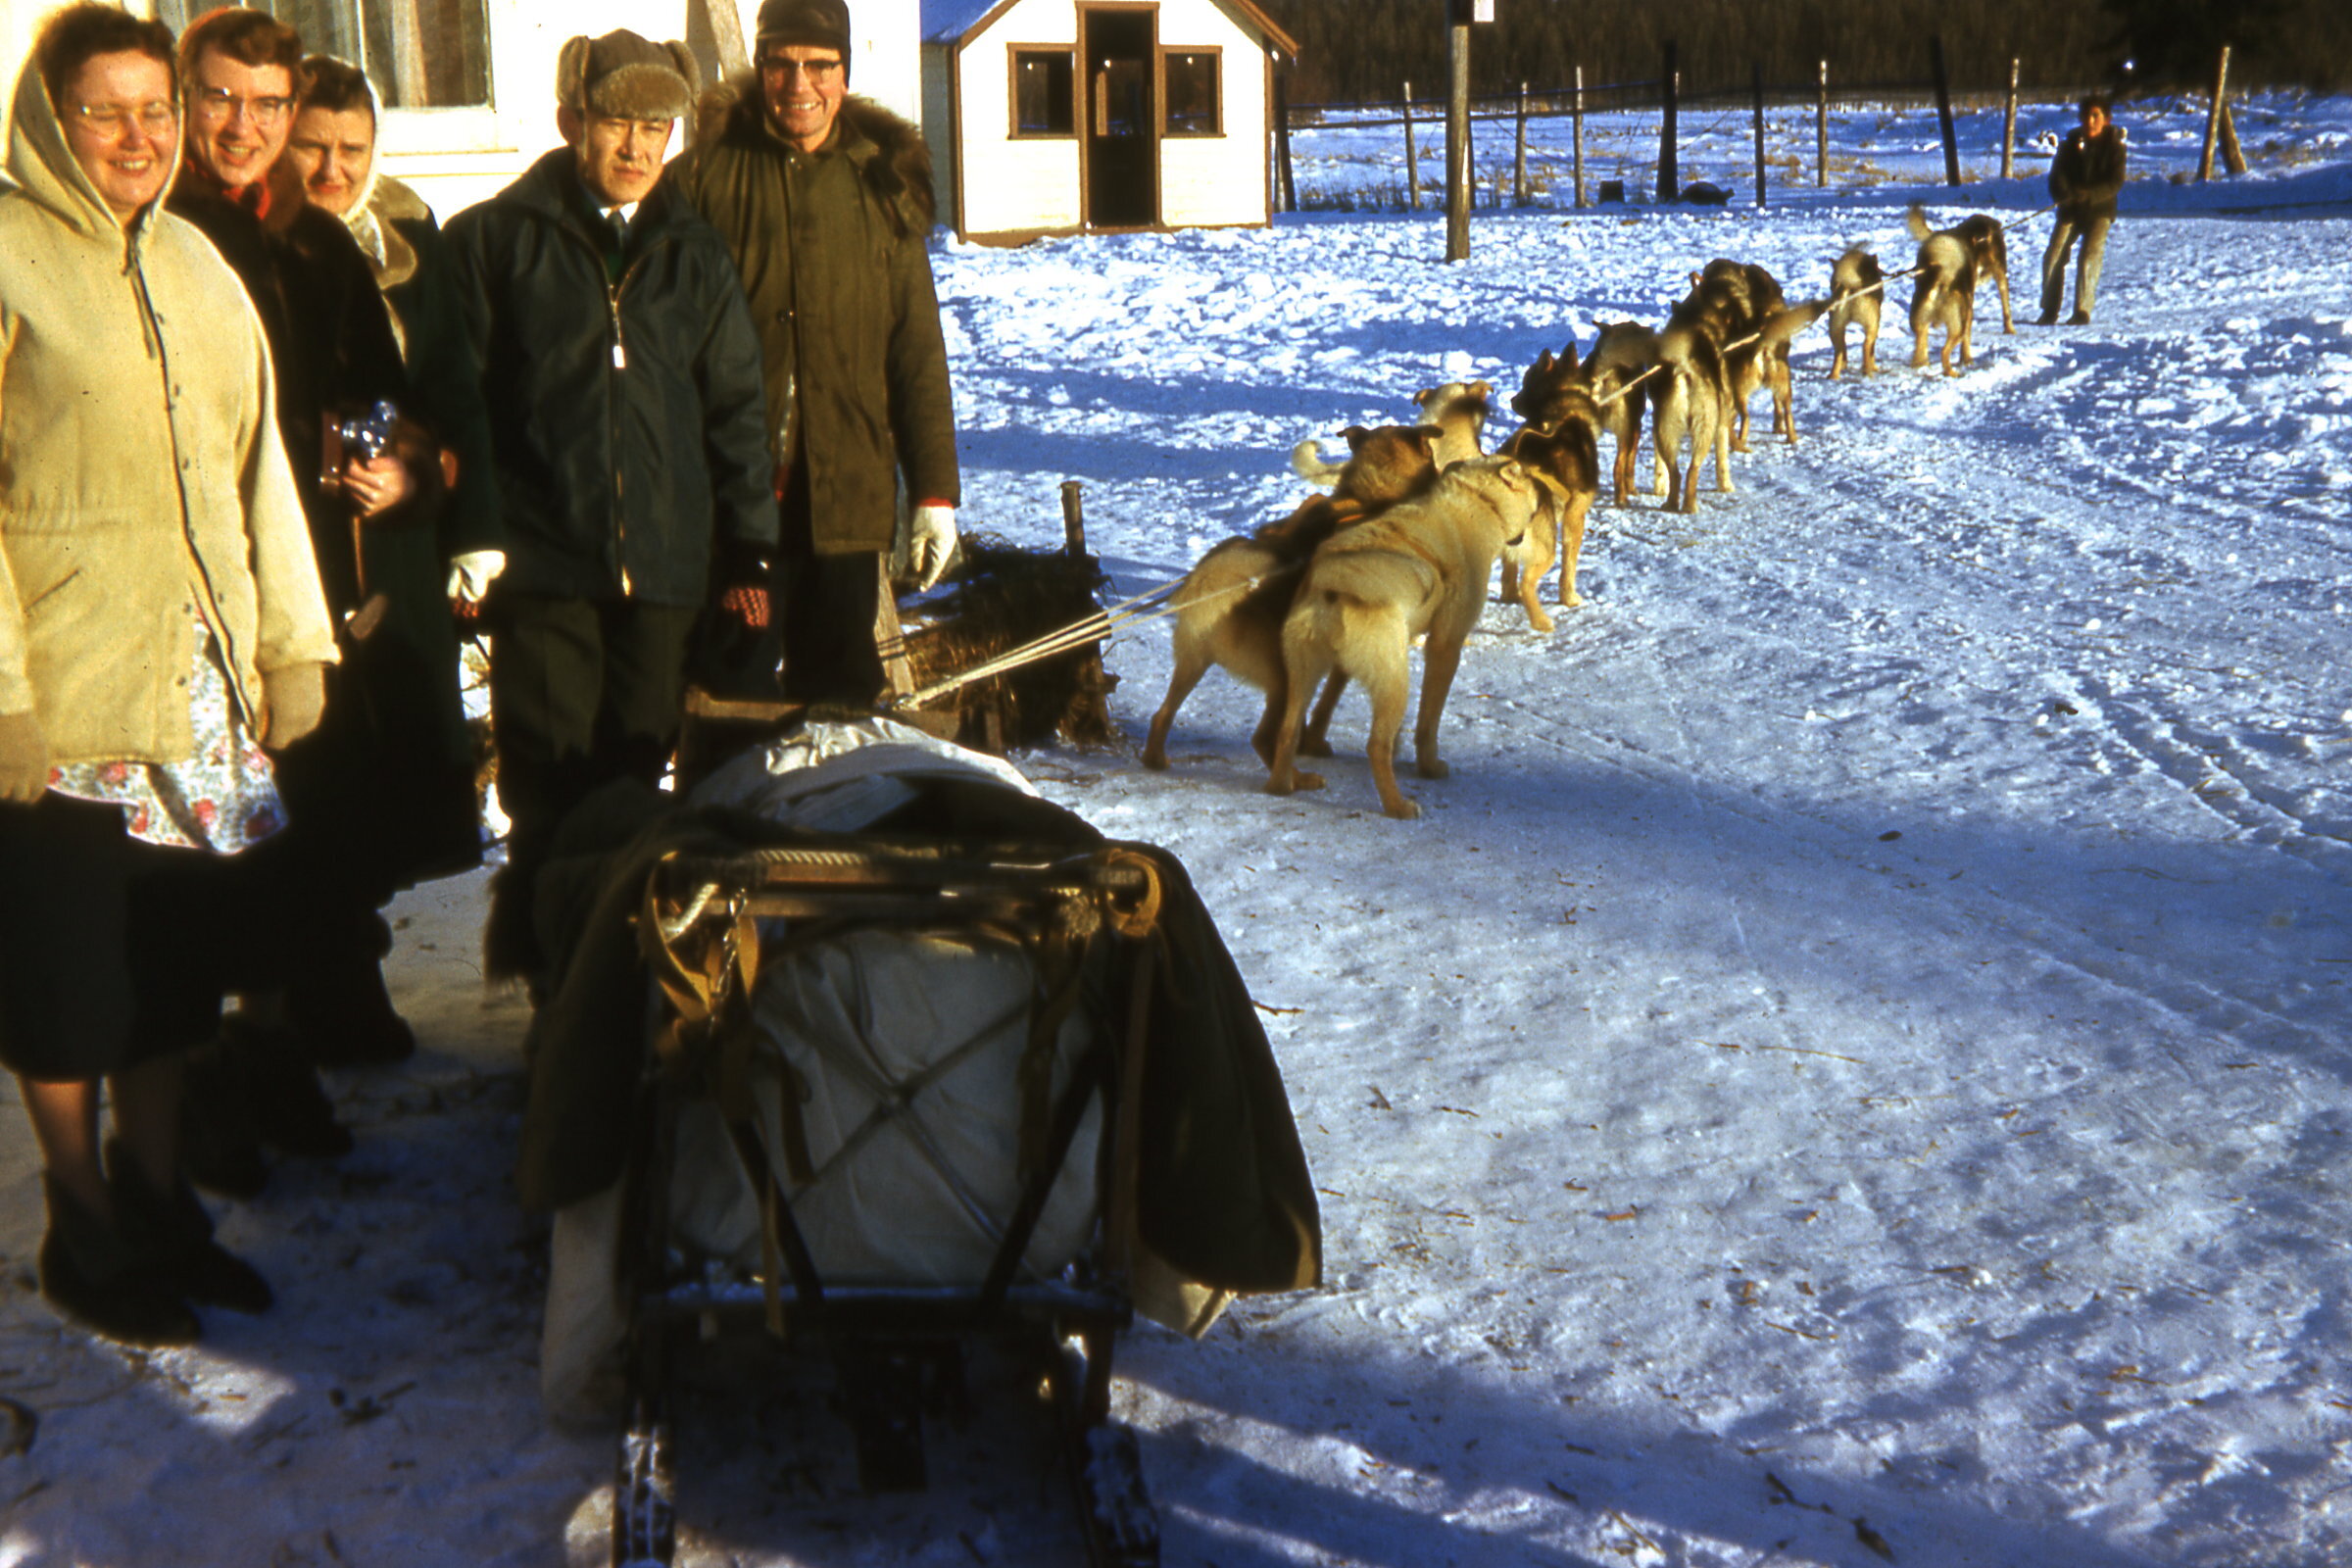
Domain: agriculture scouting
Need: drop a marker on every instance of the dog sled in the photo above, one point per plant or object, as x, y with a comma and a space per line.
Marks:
866, 1047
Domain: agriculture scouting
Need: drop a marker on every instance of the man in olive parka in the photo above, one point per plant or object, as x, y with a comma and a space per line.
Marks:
825, 202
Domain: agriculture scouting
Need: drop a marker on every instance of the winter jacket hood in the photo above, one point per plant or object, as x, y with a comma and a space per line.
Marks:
146, 485
890, 152
46, 172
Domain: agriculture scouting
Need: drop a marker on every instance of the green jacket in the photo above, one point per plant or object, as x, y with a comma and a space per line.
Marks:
832, 246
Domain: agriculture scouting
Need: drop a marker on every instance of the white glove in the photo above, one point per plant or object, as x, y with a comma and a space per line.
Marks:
930, 542
471, 573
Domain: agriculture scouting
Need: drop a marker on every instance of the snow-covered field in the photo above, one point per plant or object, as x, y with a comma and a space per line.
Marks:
1855, 1065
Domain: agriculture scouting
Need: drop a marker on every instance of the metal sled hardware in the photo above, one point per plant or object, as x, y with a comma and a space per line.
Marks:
839, 1006
916, 883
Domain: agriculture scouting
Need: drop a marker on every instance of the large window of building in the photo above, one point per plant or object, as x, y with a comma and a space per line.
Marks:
1045, 100
1188, 90
421, 53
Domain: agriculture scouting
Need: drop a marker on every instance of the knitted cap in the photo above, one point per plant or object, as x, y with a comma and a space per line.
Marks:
820, 24
624, 77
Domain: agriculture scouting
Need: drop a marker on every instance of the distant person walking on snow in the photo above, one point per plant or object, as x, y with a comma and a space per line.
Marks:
2084, 180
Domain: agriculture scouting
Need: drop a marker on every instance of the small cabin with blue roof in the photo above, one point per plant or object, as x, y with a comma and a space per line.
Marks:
1065, 117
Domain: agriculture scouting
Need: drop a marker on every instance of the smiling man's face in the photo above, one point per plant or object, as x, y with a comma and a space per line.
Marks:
238, 117
803, 86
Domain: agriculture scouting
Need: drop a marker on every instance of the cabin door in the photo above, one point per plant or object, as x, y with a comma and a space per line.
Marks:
1116, 45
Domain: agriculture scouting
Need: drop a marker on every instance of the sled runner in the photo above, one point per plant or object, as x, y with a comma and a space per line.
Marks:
966, 1071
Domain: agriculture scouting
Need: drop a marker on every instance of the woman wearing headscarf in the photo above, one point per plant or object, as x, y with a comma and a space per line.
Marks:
382, 795
161, 623
331, 150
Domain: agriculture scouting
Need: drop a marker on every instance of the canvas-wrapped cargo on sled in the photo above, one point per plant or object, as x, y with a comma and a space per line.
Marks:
866, 1044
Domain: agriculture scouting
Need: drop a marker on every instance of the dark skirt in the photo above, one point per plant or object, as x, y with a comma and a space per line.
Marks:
96, 970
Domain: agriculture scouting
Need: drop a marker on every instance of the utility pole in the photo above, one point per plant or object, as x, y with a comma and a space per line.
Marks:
1457, 124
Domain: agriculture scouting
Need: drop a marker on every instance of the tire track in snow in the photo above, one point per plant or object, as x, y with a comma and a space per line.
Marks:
2211, 768
2197, 1008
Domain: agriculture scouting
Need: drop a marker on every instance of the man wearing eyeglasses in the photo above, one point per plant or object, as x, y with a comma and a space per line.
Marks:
623, 378
825, 202
374, 804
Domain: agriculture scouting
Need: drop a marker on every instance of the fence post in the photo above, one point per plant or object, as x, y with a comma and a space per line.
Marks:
1577, 118
2213, 114
1757, 68
1670, 183
2233, 159
1412, 162
1944, 109
1519, 162
1820, 127
1286, 189
1457, 132
2009, 125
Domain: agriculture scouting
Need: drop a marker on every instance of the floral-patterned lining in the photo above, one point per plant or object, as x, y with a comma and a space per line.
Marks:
223, 798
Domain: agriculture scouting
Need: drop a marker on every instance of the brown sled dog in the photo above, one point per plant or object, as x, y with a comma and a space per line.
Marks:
1856, 288
1561, 444
1617, 375
1691, 395
1982, 235
1946, 294
1760, 323
1420, 566
1565, 462
1230, 607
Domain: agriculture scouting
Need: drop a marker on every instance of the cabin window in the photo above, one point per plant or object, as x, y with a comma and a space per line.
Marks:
420, 54
1045, 102
1188, 90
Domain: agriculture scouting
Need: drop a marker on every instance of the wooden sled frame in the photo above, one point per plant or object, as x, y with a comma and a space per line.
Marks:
698, 928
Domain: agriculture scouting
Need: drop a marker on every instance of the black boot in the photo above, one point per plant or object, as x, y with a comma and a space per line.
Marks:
289, 1106
94, 1274
344, 1015
176, 1235
220, 1142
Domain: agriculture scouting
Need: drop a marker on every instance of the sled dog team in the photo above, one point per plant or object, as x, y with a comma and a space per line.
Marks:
1419, 515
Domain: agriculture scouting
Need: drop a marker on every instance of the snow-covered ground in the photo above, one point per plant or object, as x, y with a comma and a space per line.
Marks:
1854, 1066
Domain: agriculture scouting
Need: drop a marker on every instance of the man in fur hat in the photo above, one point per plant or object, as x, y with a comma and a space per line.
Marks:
825, 201
629, 429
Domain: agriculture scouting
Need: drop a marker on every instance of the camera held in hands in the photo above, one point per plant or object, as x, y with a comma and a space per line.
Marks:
369, 437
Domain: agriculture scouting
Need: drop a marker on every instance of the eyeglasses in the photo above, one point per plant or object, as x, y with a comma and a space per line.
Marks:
813, 69
219, 102
154, 117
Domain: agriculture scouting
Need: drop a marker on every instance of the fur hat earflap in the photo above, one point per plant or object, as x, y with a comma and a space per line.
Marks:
624, 77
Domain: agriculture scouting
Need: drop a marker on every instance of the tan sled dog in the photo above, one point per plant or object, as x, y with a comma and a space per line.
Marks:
1460, 409
1946, 292
1856, 288
1230, 608
1420, 566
